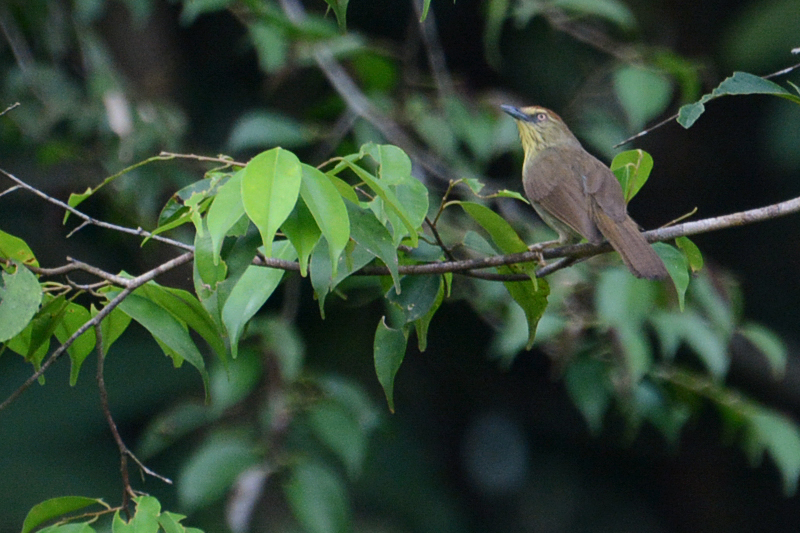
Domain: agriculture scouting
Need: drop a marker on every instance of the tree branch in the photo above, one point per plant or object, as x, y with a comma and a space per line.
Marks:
133, 284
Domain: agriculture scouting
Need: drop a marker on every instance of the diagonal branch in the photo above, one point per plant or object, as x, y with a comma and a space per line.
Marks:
90, 220
133, 284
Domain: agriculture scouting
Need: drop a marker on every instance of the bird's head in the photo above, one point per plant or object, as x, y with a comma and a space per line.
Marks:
540, 128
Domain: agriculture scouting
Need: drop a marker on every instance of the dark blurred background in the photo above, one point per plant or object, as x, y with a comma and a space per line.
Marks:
472, 447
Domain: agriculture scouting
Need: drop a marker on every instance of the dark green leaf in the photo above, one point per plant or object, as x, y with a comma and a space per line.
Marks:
303, 232
418, 295
588, 386
367, 231
501, 232
769, 344
322, 278
340, 9
741, 83
677, 266
531, 297
779, 435
422, 323
390, 350
262, 129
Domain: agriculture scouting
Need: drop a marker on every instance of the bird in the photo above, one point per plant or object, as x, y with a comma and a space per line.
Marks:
575, 193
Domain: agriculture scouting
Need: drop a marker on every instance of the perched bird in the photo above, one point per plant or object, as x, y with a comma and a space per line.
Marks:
577, 195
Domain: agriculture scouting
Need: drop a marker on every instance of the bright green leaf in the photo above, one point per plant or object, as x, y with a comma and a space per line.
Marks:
632, 169
328, 209
20, 296
248, 295
164, 328
643, 93
55, 508
367, 231
262, 129
73, 318
225, 212
677, 266
16, 249
270, 187
692, 253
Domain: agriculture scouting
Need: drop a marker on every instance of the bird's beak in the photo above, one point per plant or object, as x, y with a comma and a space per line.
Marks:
515, 112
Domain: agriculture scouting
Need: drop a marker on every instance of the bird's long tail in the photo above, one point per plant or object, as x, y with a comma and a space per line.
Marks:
636, 252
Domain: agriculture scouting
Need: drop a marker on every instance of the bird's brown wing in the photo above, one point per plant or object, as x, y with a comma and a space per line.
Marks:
603, 187
553, 181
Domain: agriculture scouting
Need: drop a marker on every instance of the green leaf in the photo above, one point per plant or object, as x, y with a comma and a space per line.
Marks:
186, 309
248, 295
322, 278
611, 10
328, 209
16, 249
388, 196
692, 253
112, 326
367, 231
390, 350
588, 386
317, 498
82, 527
340, 9
503, 235
303, 232
769, 344
73, 318
741, 83
623, 303
421, 324
426, 5
213, 467
644, 93
531, 297
260, 129
341, 433
504, 193
55, 508
145, 520
779, 435
270, 187
208, 270
632, 169
677, 266
167, 330
20, 296
418, 295
226, 210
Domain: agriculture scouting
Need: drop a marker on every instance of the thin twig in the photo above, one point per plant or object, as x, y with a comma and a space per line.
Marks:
89, 220
356, 100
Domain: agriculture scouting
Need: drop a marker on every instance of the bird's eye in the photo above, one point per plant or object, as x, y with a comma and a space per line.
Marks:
541, 117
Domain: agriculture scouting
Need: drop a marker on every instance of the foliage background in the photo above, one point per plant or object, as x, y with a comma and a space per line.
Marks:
194, 81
